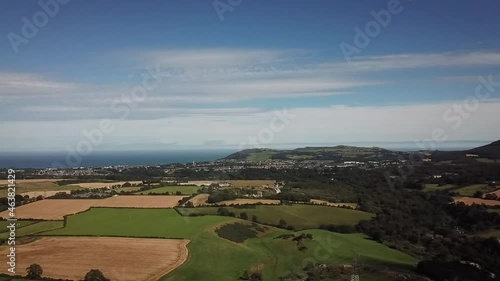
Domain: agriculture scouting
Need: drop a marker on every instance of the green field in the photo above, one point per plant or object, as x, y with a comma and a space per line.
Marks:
185, 190
299, 216
471, 189
165, 223
277, 256
434, 186
273, 256
33, 227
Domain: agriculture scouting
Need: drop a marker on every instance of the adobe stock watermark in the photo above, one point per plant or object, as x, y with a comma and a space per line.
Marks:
277, 124
454, 117
363, 37
223, 6
31, 27
123, 105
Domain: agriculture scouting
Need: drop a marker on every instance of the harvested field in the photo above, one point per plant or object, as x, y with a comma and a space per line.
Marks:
56, 209
497, 192
199, 199
51, 209
470, 201
118, 258
33, 194
250, 201
104, 184
139, 201
252, 183
20, 181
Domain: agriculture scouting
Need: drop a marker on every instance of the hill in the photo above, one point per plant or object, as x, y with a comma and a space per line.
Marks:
337, 153
489, 152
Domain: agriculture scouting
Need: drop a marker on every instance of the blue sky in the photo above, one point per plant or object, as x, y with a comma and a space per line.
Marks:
224, 76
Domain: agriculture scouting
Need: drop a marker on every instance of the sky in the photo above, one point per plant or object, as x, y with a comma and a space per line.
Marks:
129, 75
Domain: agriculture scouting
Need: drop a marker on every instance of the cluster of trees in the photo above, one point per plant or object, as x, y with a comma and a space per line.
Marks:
35, 271
221, 195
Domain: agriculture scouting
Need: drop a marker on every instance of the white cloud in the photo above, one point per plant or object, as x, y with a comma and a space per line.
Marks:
335, 124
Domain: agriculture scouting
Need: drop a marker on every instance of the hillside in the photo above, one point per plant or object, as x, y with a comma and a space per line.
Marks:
490, 152
337, 153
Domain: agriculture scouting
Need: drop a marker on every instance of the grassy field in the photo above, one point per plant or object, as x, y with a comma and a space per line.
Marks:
275, 257
185, 190
165, 223
299, 216
433, 186
494, 211
490, 233
33, 227
272, 256
471, 189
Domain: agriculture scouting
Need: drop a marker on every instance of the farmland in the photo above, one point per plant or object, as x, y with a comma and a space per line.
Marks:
433, 187
185, 190
35, 186
104, 184
274, 256
56, 209
471, 189
33, 227
470, 201
299, 216
126, 259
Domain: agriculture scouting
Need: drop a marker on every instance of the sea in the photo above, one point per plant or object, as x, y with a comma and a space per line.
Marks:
37, 160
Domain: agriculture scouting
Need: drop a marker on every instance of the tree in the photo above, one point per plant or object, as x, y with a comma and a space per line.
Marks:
244, 216
478, 194
95, 275
254, 218
34, 271
282, 223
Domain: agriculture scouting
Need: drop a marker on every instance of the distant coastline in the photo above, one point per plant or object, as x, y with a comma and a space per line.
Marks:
37, 160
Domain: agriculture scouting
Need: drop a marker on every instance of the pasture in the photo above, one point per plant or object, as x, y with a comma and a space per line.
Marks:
125, 259
299, 216
471, 189
161, 223
433, 187
56, 209
24, 228
185, 190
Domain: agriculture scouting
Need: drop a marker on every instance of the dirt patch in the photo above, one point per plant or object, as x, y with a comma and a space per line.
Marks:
199, 199
56, 209
104, 184
470, 201
124, 259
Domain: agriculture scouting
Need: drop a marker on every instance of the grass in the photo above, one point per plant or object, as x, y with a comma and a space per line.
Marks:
275, 257
185, 190
471, 189
299, 216
489, 233
19, 224
494, 211
433, 187
34, 228
215, 258
164, 223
